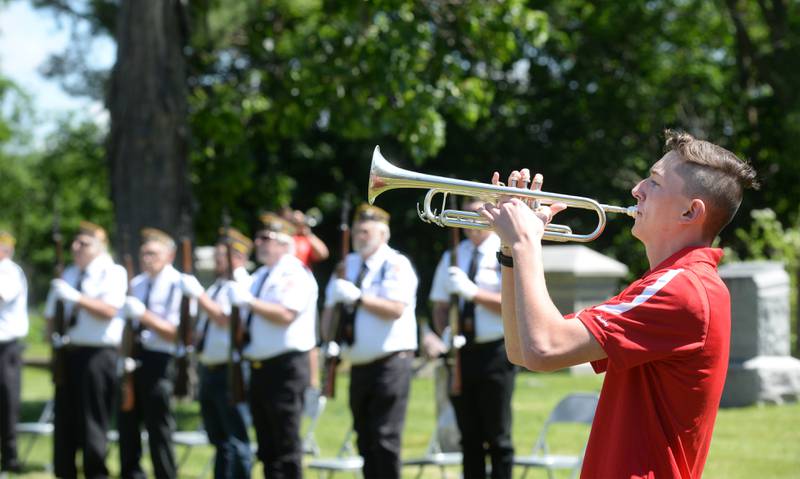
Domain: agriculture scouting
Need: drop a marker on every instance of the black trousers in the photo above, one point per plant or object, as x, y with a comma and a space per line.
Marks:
378, 401
483, 409
225, 424
10, 386
84, 405
276, 403
152, 392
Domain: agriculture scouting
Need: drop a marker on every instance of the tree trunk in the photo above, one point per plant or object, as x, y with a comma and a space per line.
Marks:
147, 149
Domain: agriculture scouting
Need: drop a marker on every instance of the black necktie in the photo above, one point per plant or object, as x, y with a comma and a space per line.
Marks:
246, 338
73, 320
467, 315
201, 342
349, 314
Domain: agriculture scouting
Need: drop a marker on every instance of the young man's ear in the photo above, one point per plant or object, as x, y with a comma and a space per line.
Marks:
695, 212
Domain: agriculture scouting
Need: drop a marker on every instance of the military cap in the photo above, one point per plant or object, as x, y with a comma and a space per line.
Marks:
93, 230
154, 234
368, 212
7, 239
276, 224
239, 242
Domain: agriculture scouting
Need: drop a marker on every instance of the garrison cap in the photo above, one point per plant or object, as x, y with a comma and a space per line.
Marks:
368, 212
239, 241
274, 223
7, 239
154, 234
93, 230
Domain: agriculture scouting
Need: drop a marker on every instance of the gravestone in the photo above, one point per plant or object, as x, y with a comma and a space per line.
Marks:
577, 277
760, 369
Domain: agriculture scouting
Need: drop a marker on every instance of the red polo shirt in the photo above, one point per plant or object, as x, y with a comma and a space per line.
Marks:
667, 338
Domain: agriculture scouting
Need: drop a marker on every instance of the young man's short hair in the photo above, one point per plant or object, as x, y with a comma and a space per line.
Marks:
713, 174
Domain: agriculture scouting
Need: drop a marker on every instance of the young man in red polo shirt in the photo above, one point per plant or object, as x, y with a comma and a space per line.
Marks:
663, 341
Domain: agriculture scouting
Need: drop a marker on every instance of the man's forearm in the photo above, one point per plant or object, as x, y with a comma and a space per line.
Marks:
508, 312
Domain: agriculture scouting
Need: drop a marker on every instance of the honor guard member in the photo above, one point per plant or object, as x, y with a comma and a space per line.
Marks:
379, 336
280, 316
154, 307
13, 326
225, 423
483, 407
92, 290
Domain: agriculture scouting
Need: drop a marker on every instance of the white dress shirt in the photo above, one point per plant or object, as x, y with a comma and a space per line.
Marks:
389, 276
13, 301
103, 280
164, 301
217, 343
290, 284
488, 324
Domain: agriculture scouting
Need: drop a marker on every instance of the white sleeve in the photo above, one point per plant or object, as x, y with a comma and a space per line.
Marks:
116, 287
10, 285
399, 281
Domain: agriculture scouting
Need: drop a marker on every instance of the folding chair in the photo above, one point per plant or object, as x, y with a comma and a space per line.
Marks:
574, 408
436, 454
444, 447
312, 409
189, 440
42, 427
345, 461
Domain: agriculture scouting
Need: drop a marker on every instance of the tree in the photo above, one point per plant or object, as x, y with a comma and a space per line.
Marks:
147, 145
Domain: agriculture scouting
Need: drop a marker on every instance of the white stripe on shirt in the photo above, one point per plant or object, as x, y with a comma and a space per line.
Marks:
648, 292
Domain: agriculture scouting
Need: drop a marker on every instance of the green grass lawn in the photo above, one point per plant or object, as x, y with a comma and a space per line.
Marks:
759, 441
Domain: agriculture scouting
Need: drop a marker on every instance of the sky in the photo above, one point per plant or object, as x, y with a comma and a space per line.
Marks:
27, 38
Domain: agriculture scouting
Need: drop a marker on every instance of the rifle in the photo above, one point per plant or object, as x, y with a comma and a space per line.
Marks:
335, 327
456, 339
58, 336
235, 373
131, 343
184, 339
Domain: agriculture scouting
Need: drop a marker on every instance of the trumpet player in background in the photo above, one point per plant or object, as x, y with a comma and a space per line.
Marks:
308, 247
663, 342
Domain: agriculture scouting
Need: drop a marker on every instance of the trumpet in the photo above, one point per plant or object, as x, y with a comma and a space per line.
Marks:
384, 176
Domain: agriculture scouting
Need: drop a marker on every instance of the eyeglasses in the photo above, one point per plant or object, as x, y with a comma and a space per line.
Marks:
266, 236
148, 253
82, 243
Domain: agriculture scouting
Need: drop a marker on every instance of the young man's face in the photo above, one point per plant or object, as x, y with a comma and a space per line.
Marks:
85, 248
661, 201
154, 256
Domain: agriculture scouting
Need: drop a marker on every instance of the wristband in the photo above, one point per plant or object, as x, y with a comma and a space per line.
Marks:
505, 260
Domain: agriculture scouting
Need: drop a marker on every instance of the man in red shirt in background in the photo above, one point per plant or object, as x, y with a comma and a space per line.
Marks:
663, 341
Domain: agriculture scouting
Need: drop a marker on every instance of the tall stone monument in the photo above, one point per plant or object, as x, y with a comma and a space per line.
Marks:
761, 369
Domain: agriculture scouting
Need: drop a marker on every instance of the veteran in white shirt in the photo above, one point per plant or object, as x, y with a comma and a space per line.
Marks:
483, 407
378, 335
224, 422
13, 326
279, 311
92, 290
153, 308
